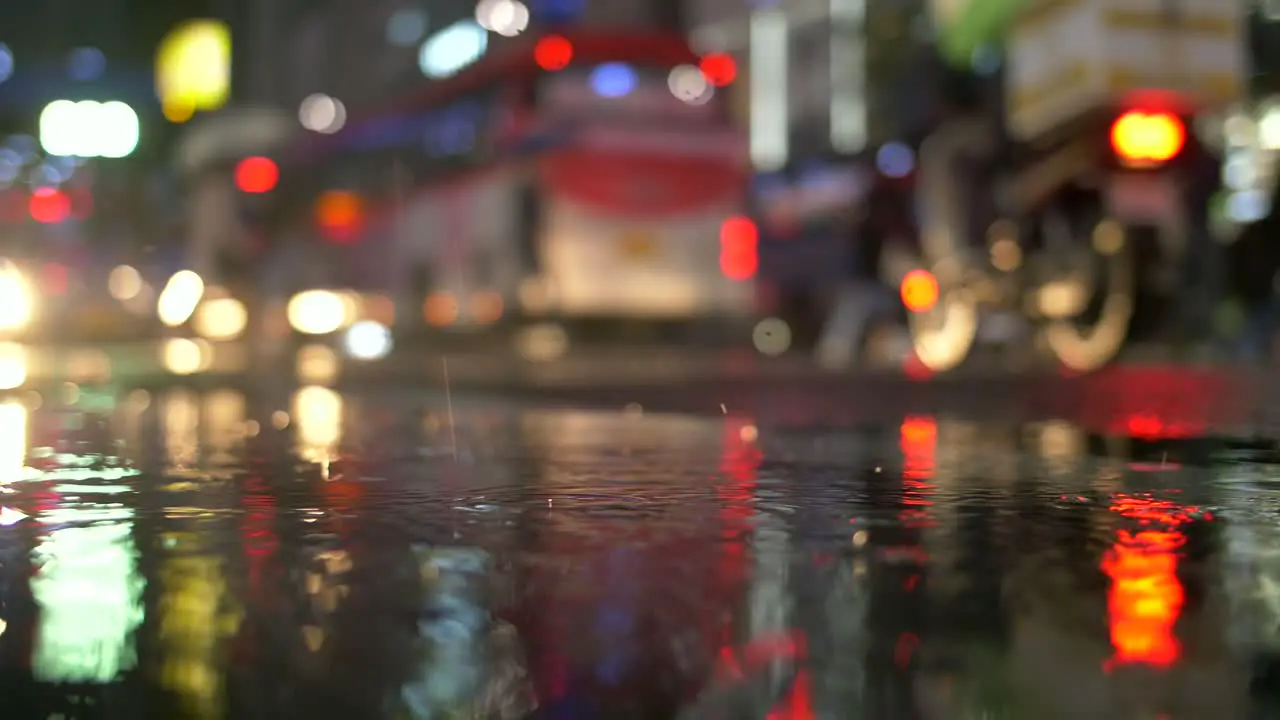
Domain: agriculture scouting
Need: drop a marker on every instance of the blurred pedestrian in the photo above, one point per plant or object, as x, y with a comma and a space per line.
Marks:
864, 296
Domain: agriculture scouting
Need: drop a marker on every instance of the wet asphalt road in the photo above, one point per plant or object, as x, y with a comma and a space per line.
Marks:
1107, 548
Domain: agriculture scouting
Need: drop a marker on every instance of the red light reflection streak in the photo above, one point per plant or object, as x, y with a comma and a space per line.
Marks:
258, 530
1146, 597
739, 461
918, 438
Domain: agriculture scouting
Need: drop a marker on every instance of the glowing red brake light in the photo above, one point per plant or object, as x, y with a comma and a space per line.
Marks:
1148, 137
739, 241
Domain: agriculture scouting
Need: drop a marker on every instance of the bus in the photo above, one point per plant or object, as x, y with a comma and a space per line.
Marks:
591, 177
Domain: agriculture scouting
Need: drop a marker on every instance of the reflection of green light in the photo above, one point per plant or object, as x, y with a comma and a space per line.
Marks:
90, 596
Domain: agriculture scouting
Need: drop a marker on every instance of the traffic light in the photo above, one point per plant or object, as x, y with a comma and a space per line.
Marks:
257, 175
739, 248
1148, 138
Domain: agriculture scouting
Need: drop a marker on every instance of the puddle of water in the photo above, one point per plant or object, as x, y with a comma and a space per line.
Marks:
217, 556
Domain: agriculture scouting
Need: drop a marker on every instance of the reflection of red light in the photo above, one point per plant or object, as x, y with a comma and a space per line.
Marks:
258, 531
720, 69
49, 205
1146, 596
553, 53
739, 461
919, 439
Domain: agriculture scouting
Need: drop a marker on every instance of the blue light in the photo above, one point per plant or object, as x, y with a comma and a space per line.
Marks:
558, 11
895, 160
86, 63
613, 80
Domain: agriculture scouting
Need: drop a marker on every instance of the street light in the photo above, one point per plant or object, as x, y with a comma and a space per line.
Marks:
89, 129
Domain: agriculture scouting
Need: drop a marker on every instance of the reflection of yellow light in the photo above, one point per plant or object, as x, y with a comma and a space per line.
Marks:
180, 298
223, 421
318, 412
180, 419
13, 365
13, 441
195, 615
184, 357
193, 65
317, 365
221, 318
317, 312
124, 282
17, 301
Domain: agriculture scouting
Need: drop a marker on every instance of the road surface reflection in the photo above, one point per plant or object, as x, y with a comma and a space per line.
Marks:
209, 555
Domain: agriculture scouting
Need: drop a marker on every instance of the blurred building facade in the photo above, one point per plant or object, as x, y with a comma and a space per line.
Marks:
826, 77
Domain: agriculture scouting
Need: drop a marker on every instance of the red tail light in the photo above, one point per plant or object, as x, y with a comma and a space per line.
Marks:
1142, 137
739, 240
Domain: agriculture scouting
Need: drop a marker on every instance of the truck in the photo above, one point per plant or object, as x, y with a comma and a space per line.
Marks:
1077, 211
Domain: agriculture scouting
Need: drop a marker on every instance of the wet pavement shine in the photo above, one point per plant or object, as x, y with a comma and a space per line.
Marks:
182, 554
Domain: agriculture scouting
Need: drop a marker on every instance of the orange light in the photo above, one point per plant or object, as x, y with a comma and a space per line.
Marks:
486, 307
1148, 137
919, 291
49, 205
1146, 596
440, 309
340, 214
553, 53
720, 69
739, 241
257, 175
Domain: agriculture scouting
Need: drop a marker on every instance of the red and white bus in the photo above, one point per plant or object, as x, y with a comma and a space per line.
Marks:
555, 177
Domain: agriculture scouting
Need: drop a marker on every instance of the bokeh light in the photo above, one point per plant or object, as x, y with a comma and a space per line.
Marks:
89, 129
317, 312
452, 49
507, 18
49, 205
193, 67
553, 52
690, 85
124, 282
257, 175
720, 69
368, 340
323, 114
612, 80
180, 297
183, 356
17, 299
221, 319
13, 365
406, 27
6, 62
86, 63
